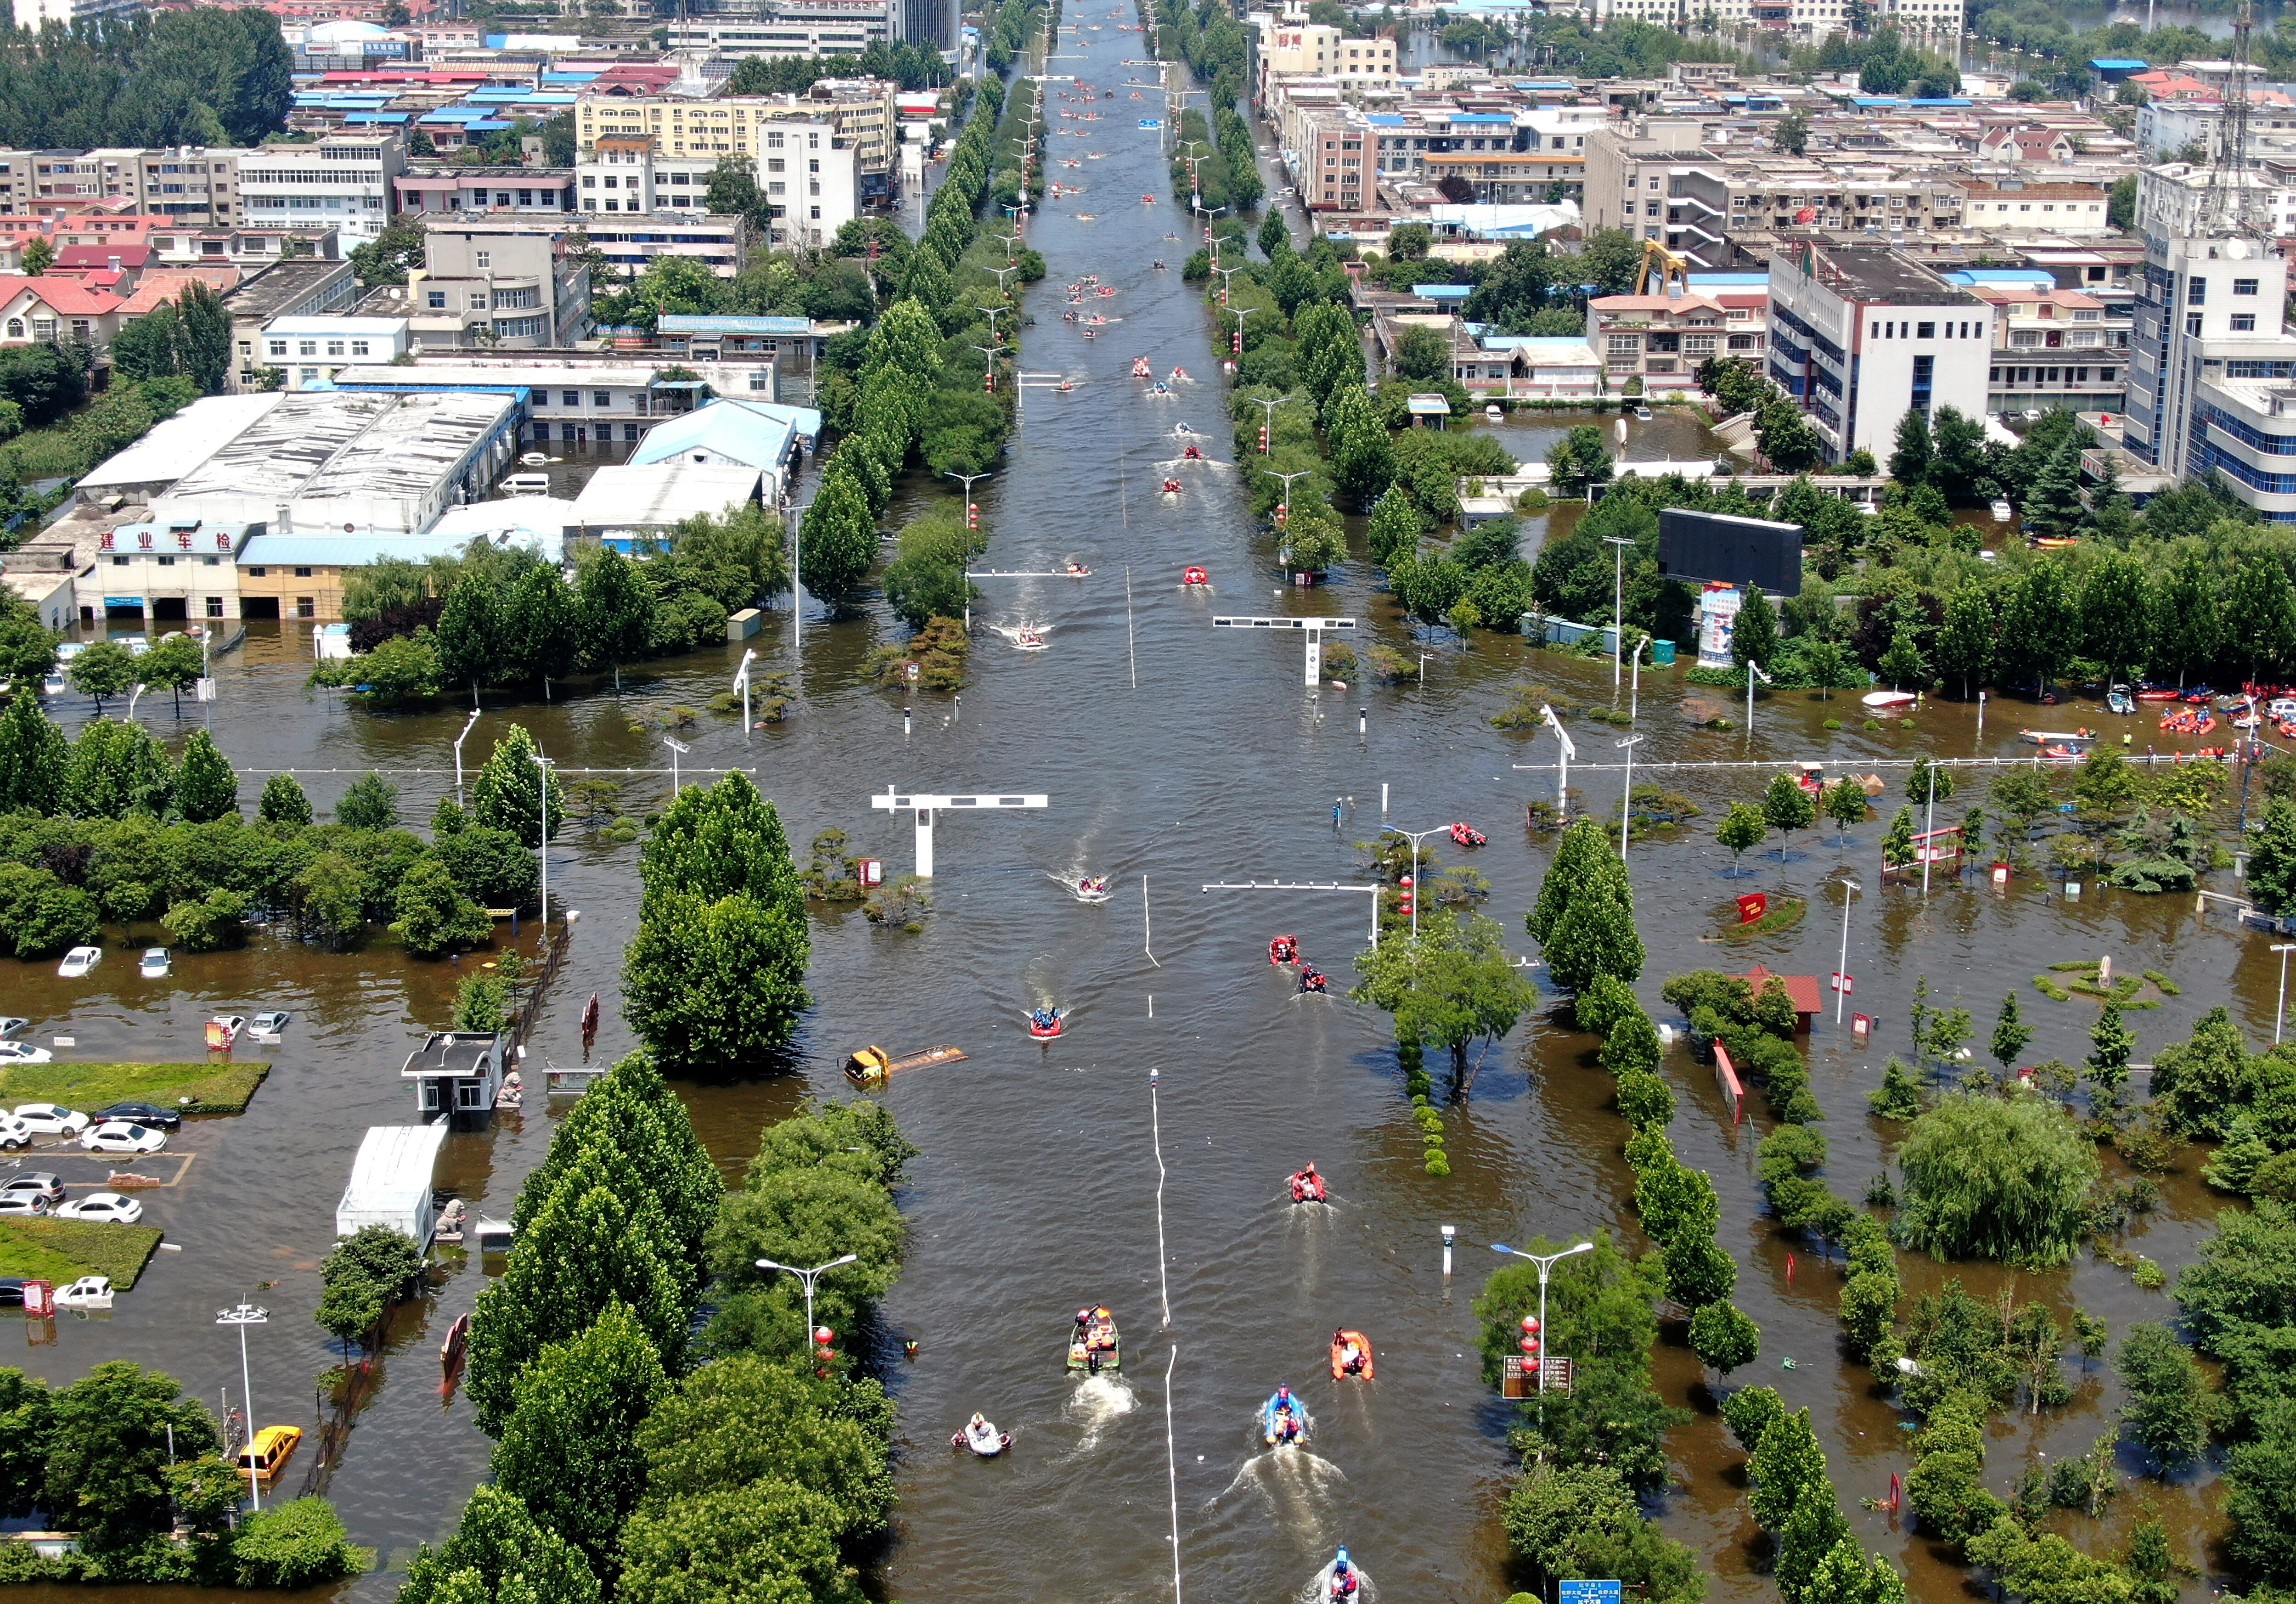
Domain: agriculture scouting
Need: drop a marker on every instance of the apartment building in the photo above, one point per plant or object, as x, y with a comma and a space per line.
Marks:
2183, 201
1523, 177
295, 287
193, 183
312, 350
574, 398
1860, 336
856, 115
547, 192
1660, 339
1289, 46
344, 179
1331, 163
2075, 209
719, 242
32, 15
795, 28
498, 282
2052, 346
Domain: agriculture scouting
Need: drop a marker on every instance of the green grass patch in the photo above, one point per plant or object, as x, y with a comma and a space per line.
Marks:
2079, 966
1784, 913
2168, 987
2051, 989
212, 1088
61, 1251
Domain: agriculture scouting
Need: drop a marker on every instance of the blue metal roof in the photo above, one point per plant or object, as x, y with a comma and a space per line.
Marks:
1728, 281
342, 551
1972, 277
1503, 119
689, 323
2118, 65
1943, 99
1442, 291
756, 434
1384, 119
377, 117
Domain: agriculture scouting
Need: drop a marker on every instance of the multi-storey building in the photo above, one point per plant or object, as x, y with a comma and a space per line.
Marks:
345, 179
719, 242
311, 350
193, 183
2183, 201
498, 282
811, 182
1291, 45
2052, 348
545, 191
2077, 209
1332, 163
848, 115
295, 287
1661, 339
1860, 336
795, 28
31, 15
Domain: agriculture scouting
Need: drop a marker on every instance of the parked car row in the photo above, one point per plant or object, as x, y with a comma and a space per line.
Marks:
41, 1192
126, 1127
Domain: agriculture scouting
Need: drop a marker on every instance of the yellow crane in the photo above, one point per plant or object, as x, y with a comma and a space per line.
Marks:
1662, 269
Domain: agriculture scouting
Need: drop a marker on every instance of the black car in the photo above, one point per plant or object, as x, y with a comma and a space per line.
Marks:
141, 1113
12, 1291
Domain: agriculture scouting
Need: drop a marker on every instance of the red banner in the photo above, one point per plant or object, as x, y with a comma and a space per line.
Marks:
1725, 1076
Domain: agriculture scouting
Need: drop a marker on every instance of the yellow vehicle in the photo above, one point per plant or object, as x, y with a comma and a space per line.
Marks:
269, 1451
869, 1067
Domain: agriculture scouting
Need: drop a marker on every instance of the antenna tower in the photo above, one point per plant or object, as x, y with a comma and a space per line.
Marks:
2227, 207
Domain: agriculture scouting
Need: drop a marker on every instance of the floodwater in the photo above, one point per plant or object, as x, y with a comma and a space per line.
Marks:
1137, 1161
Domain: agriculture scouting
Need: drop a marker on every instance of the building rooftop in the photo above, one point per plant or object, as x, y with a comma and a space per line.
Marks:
1876, 273
655, 495
174, 448
757, 433
282, 284
462, 1053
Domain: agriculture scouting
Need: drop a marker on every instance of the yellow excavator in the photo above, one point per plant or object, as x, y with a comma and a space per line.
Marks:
1662, 269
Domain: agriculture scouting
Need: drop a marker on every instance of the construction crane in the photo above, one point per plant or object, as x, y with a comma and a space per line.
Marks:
1662, 269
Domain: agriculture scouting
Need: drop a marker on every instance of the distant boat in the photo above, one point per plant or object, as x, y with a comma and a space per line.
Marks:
1889, 698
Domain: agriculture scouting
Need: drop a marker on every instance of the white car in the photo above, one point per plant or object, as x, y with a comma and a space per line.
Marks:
119, 1209
23, 1052
88, 1292
52, 1119
15, 1133
16, 1205
118, 1136
154, 964
79, 961
10, 1024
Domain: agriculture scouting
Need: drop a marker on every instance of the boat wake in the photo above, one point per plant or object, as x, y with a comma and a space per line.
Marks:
1297, 1486
1319, 1591
1098, 1403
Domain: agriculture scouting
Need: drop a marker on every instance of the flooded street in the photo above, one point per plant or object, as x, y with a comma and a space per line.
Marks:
1173, 754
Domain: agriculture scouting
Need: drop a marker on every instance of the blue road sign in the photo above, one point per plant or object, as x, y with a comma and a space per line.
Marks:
1152, 122
1586, 1593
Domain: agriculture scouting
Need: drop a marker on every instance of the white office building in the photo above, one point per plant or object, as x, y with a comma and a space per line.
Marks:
345, 180
1861, 335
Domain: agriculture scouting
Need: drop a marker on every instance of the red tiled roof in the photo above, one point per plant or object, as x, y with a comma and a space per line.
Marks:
1801, 990
157, 287
100, 256
65, 295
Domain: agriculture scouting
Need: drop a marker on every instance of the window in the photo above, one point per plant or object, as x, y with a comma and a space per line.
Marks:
335, 347
122, 562
302, 573
602, 398
2193, 325
2196, 291
2243, 322
215, 606
307, 347
478, 300
359, 347
167, 563
437, 297
485, 259
307, 607
1927, 331
570, 399
278, 346
2243, 286
258, 573
760, 379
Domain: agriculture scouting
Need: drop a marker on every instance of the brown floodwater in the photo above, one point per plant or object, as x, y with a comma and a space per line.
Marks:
1173, 754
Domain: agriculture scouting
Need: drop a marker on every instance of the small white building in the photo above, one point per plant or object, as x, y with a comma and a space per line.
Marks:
457, 1071
390, 1182
311, 349
624, 504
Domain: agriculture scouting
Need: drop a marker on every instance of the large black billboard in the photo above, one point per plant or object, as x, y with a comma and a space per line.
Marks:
1735, 551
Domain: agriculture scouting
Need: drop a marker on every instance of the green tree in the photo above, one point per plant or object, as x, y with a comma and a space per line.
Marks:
1754, 637
103, 671
283, 802
1395, 525
2010, 1033
508, 792
434, 915
1584, 914
714, 984
1787, 1465
2112, 1043
174, 666
38, 256
543, 620
765, 1539
297, 1544
206, 788
1741, 829
33, 757
1448, 985
617, 610
1964, 641
1724, 1337
2171, 1407
1925, 774
1846, 805
1362, 460
1570, 1521
499, 1554
116, 770
746, 1418
2272, 859
1786, 808
2053, 506
392, 254
1910, 459
109, 1447
204, 339
1993, 1179
1792, 134
2114, 616
470, 633
1422, 355
840, 540
371, 803
570, 1449
1578, 461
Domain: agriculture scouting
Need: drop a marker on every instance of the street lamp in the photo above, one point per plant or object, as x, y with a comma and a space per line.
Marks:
1849, 889
1267, 419
1000, 273
741, 683
243, 1316
797, 577
1569, 749
676, 746
1414, 837
543, 793
1283, 507
1228, 279
2281, 1011
465, 736
993, 314
809, 1277
1626, 803
1618, 544
1546, 1263
1241, 313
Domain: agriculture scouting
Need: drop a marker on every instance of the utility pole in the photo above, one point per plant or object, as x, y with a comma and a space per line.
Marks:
1618, 544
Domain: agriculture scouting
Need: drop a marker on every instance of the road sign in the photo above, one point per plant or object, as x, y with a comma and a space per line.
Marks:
1861, 1023
924, 807
1151, 123
1847, 985
1314, 628
1586, 1593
